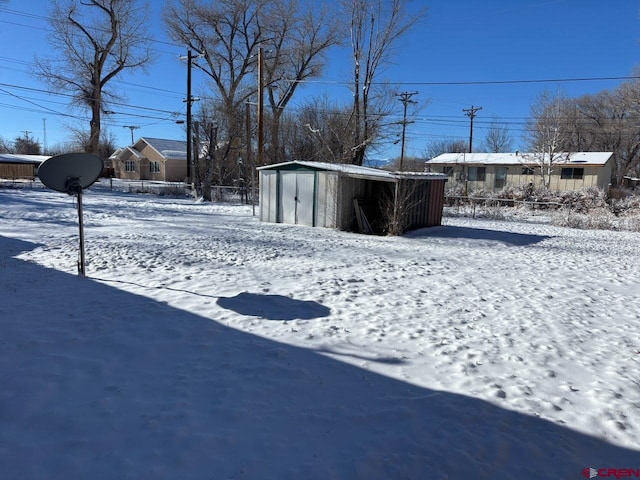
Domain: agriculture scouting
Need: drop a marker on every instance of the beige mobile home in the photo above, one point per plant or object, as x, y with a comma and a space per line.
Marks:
494, 171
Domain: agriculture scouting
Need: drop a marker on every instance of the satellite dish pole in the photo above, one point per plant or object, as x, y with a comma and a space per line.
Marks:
71, 173
75, 188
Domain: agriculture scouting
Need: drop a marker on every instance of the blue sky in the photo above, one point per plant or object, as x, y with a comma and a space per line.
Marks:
492, 53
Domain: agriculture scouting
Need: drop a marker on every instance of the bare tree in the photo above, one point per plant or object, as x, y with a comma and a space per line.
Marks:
498, 138
80, 140
227, 35
293, 37
94, 41
320, 131
375, 27
547, 134
447, 145
609, 122
5, 146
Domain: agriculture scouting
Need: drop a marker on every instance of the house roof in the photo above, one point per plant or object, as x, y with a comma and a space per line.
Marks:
19, 158
167, 148
357, 171
119, 153
517, 158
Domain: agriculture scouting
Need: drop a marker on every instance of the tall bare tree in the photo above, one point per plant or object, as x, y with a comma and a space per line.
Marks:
94, 41
292, 35
547, 134
301, 34
376, 26
227, 36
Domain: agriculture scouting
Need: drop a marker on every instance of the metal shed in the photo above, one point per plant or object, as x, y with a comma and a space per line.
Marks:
348, 197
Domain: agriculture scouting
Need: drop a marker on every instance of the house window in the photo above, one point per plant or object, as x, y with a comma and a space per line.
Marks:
572, 173
476, 174
501, 177
527, 171
154, 167
129, 166
447, 171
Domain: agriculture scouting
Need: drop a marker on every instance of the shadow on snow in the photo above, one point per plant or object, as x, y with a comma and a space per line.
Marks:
115, 385
466, 233
274, 307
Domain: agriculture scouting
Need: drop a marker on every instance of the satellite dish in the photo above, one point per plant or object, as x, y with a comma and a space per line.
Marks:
71, 173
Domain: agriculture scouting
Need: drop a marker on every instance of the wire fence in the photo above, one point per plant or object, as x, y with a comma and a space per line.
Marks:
219, 193
475, 205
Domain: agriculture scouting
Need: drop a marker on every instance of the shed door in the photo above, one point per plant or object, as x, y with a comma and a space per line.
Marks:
296, 197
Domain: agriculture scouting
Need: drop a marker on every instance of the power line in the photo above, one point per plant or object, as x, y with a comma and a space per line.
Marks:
483, 82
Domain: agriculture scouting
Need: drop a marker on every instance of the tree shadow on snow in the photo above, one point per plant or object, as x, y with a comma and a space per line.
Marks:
100, 383
466, 233
274, 307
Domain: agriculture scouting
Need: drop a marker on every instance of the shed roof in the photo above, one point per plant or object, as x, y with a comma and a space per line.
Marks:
19, 158
517, 158
357, 171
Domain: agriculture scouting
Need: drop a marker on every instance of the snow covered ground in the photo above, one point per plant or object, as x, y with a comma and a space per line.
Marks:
205, 344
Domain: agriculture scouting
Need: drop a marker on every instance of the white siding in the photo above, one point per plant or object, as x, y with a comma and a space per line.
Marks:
305, 185
268, 196
296, 197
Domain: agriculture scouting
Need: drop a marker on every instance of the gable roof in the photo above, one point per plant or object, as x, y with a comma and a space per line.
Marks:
517, 158
356, 171
165, 147
120, 153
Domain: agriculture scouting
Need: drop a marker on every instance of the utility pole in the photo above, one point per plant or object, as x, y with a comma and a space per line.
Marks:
249, 157
471, 113
44, 127
189, 100
132, 128
405, 98
195, 153
260, 109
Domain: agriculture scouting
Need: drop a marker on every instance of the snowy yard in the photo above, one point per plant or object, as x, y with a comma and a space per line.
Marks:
204, 344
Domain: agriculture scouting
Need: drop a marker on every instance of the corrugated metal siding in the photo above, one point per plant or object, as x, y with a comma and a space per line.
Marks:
349, 189
305, 198
296, 197
435, 203
286, 197
269, 196
326, 199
